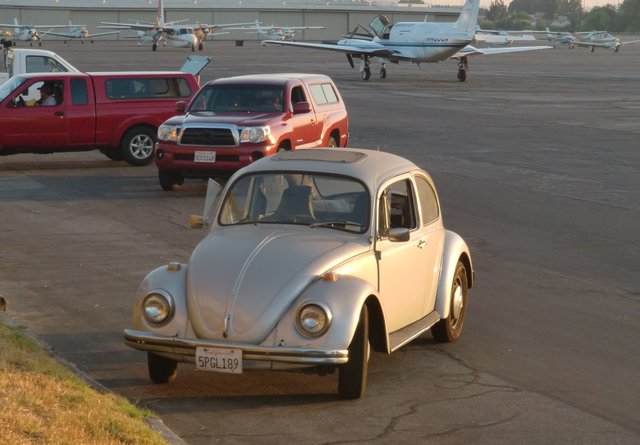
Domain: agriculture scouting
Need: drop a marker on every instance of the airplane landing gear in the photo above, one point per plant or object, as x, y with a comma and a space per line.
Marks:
365, 70
383, 71
154, 46
200, 46
462, 69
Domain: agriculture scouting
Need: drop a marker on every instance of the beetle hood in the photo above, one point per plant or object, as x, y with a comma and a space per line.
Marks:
242, 279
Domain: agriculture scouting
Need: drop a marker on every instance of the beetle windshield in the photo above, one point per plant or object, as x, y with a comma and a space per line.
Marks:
313, 199
239, 98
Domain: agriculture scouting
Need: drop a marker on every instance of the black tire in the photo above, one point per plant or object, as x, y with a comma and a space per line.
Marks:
450, 328
332, 142
352, 376
462, 75
161, 369
154, 47
383, 73
365, 73
170, 180
137, 145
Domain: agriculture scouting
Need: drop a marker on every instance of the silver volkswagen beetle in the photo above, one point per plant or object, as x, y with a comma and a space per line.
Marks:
312, 258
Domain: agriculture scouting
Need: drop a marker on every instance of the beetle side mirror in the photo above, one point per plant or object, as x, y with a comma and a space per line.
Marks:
181, 106
399, 234
301, 107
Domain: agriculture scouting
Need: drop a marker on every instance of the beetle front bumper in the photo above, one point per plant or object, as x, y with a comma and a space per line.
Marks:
185, 348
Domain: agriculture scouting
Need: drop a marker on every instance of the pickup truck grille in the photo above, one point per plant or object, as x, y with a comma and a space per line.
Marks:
218, 137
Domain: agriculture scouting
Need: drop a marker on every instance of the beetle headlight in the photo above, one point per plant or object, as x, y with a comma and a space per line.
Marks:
167, 133
157, 307
255, 134
313, 320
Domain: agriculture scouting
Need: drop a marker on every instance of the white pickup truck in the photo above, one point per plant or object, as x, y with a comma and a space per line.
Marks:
26, 60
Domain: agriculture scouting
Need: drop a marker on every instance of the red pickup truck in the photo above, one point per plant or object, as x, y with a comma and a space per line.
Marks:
234, 121
117, 113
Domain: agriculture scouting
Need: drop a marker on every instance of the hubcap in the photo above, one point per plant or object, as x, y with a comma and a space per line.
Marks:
457, 303
141, 146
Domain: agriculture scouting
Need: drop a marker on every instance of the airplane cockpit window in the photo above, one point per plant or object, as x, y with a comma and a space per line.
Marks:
381, 26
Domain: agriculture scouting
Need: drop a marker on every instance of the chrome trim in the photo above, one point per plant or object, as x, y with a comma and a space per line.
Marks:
186, 347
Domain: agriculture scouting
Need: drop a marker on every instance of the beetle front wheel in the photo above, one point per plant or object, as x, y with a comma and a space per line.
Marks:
450, 328
352, 376
161, 369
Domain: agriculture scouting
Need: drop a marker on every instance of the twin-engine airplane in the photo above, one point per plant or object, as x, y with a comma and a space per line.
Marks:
274, 32
29, 33
601, 39
417, 42
175, 33
561, 38
80, 32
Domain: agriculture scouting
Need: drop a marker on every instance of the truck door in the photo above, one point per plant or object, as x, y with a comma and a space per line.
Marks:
307, 131
32, 127
81, 113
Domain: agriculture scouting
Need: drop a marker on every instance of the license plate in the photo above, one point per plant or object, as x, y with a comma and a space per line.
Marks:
204, 156
219, 360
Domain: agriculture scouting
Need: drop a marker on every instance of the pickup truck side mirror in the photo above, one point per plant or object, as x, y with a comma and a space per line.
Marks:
301, 107
181, 105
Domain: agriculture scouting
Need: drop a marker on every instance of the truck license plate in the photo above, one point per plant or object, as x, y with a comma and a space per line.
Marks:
219, 360
204, 156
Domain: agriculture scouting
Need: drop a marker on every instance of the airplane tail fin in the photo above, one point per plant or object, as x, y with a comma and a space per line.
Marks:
468, 20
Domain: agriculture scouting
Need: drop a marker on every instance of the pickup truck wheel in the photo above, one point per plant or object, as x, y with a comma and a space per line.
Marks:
450, 328
137, 145
161, 369
169, 179
352, 376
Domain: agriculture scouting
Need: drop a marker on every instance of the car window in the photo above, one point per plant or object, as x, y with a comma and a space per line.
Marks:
238, 98
79, 94
396, 207
316, 199
147, 88
428, 200
323, 93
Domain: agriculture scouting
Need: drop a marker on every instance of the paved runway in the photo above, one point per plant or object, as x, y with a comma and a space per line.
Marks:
536, 161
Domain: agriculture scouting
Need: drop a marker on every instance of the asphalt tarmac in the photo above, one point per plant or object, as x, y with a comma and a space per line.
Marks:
536, 162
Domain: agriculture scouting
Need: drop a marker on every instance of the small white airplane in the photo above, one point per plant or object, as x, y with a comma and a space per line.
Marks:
80, 32
175, 33
417, 42
561, 38
600, 39
29, 33
274, 32
492, 37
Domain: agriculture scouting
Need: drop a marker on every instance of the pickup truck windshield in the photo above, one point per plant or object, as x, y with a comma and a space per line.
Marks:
10, 86
313, 199
238, 98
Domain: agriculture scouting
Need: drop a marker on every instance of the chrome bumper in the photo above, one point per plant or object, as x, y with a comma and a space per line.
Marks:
186, 348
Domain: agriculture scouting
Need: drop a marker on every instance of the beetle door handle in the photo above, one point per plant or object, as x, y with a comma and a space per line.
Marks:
423, 242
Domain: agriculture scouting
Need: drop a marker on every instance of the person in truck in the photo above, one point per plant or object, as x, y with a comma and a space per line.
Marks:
46, 96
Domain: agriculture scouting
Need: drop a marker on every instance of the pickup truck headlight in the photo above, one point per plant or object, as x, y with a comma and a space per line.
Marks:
157, 307
313, 320
168, 133
255, 134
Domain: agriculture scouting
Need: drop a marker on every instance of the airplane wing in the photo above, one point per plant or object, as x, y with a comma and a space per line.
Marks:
89, 36
473, 51
353, 47
630, 41
134, 26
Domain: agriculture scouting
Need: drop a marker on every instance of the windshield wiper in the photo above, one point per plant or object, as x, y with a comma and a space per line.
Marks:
337, 224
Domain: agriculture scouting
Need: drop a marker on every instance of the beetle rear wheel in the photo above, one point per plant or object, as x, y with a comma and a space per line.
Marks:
450, 328
352, 376
161, 369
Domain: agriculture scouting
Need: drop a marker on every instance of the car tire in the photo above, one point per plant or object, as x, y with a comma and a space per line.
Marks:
137, 145
161, 369
352, 376
450, 328
332, 142
170, 179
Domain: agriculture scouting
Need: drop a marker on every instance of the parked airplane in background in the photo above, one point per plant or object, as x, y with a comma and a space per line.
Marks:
274, 32
561, 38
80, 32
415, 42
600, 39
501, 38
175, 33
29, 33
